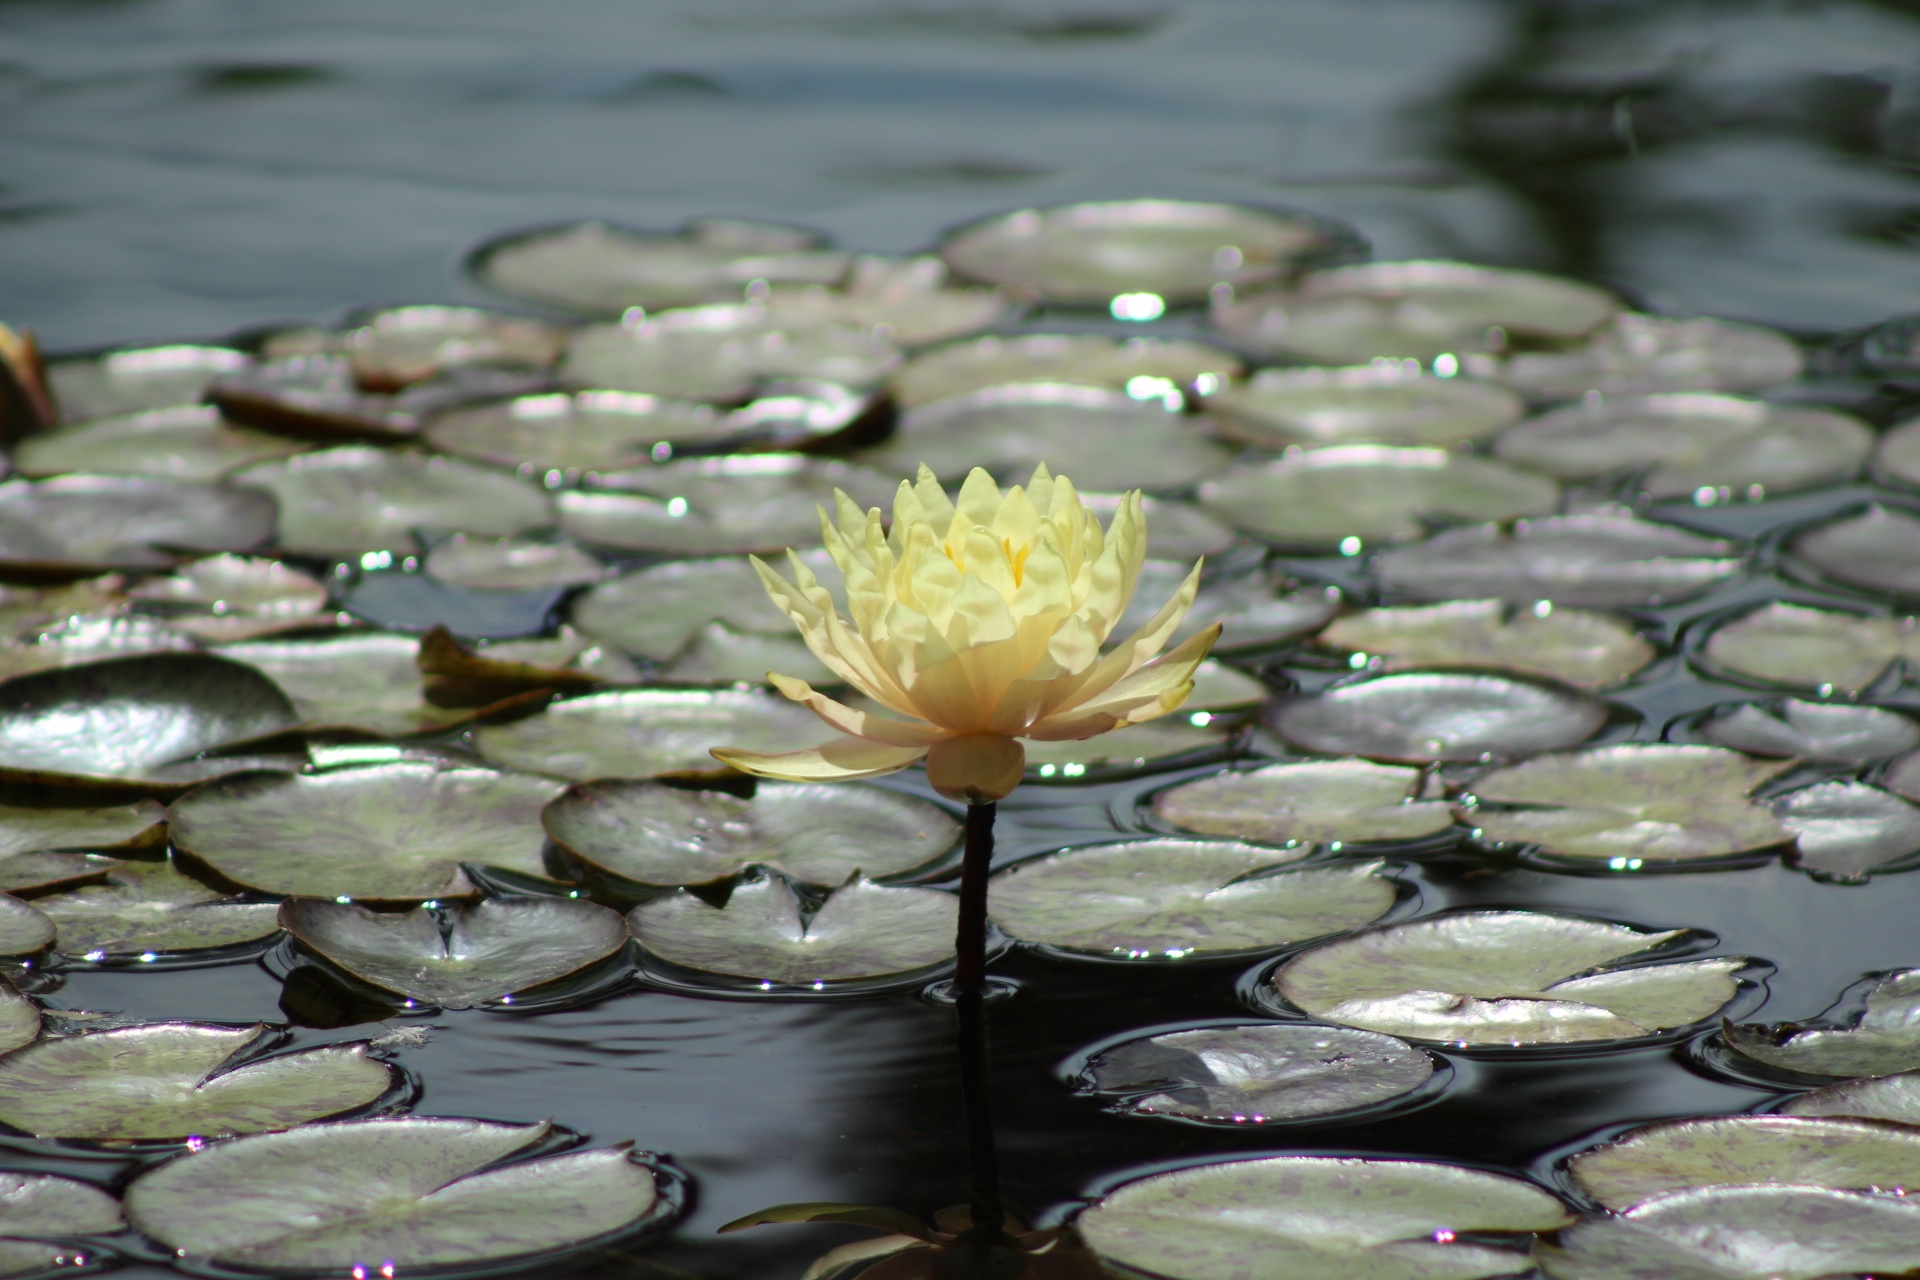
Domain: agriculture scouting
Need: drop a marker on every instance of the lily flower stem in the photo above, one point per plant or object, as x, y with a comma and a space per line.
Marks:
970, 1003
970, 940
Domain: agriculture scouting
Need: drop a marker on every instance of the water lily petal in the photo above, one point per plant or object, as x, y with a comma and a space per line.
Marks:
857, 724
840, 760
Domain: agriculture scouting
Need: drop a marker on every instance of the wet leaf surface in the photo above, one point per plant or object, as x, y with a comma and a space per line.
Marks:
24, 928
191, 443
1081, 359
1134, 747
1575, 646
1898, 454
1894, 1097
583, 431
1839, 732
1727, 1151
1362, 404
144, 908
1494, 978
1422, 716
92, 639
395, 832
1849, 830
722, 352
137, 379
651, 833
229, 597
38, 1204
27, 612
1315, 801
138, 825
479, 953
1873, 549
392, 347
641, 732
79, 524
1884, 1038
1792, 644
365, 681
654, 612
1169, 898
1642, 354
19, 1021
511, 564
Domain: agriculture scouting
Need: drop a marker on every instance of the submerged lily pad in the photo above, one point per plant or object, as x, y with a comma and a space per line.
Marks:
1884, 1038
138, 379
1319, 1218
1169, 898
584, 431
1314, 801
511, 564
654, 834
485, 953
1641, 354
417, 1192
1370, 493
1835, 731
40, 1204
24, 928
1894, 1097
1792, 644
1079, 359
191, 442
1728, 1151
1253, 1074
395, 832
1494, 978
229, 597
637, 733
1385, 403
151, 908
1587, 561
84, 524
1873, 550
1589, 650
1422, 716
722, 352
169, 1080
862, 931
364, 681
1631, 802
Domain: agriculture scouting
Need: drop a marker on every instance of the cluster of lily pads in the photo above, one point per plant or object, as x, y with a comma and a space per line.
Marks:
391, 652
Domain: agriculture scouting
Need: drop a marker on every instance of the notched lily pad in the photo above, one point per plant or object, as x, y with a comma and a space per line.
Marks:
637, 733
75, 525
385, 832
1575, 646
1792, 644
1830, 731
862, 932
1079, 359
145, 909
1423, 716
1884, 1038
1873, 549
1505, 978
485, 952
1728, 1151
191, 442
1641, 354
653, 834
1312, 802
363, 681
40, 1204
229, 597
1385, 403
1170, 898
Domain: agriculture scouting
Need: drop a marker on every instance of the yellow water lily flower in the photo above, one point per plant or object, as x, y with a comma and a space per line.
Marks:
980, 619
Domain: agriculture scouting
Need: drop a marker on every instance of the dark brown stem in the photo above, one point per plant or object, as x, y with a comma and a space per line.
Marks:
970, 940
969, 989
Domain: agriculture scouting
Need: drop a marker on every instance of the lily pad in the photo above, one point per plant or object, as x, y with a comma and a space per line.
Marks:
91, 639
40, 1204
1894, 1097
584, 431
1385, 403
1320, 1218
323, 397
190, 442
394, 832
364, 681
1491, 978
1586, 561
722, 352
1898, 455
863, 931
637, 733
1084, 254
1833, 731
1791, 644
1422, 716
86, 524
24, 928
229, 597
140, 723
150, 908
654, 834
342, 502
1742, 1233
19, 1016
1182, 532
140, 824
1631, 802
1254, 1074
456, 675
717, 655
483, 953
1078, 359
1312, 802
392, 347
1849, 830
1884, 1037
1728, 1151
906, 298
1104, 439
26, 612
169, 1080
1356, 495
1253, 610
1577, 647
1170, 898
1133, 747
511, 564
417, 1191
654, 612
137, 379
1641, 354
1873, 550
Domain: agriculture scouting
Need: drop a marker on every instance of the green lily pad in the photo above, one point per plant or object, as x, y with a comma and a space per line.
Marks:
342, 502
1181, 532
138, 378
1585, 561
654, 612
1219, 687
1505, 978
1873, 550
169, 1080
1421, 716
637, 733
190, 442
74, 525
1894, 1097
903, 297
394, 346
1791, 644
1170, 898
1898, 454
151, 908
229, 597
1080, 359
1386, 403
24, 928
863, 931
1883, 1039
1849, 830
1578, 647
26, 612
1742, 1233
40, 1204
1630, 803
1312, 802
1134, 747
416, 1191
1319, 1218
39, 847
485, 953
325, 398
1727, 1151
19, 1016
365, 681
1253, 1074
511, 564
718, 655
1834, 731
654, 834
1253, 610
393, 832
582, 431
138, 724
722, 352
1640, 354
91, 639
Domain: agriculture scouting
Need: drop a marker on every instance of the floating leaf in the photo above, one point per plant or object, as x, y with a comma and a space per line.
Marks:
169, 1080
1833, 731
1247, 1075
1132, 747
1313, 802
1319, 1218
229, 597
1589, 650
1080, 359
1899, 453
1386, 403
1438, 716
322, 397
1642, 354
26, 612
139, 723
1505, 978
364, 681
1631, 802
322, 1198
1253, 610
582, 431
342, 502
19, 1016
1849, 830
24, 928
91, 639
717, 654
862, 931
654, 834
1587, 561
190, 443
1166, 898
511, 564
638, 733
1895, 1098
902, 295
653, 612
1885, 1038
396, 832
85, 524
722, 352
149, 908
138, 379
1792, 644
1727, 1151
1182, 532
454, 675
391, 347
1219, 687
39, 1204
1873, 550
487, 952
139, 825
1370, 492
